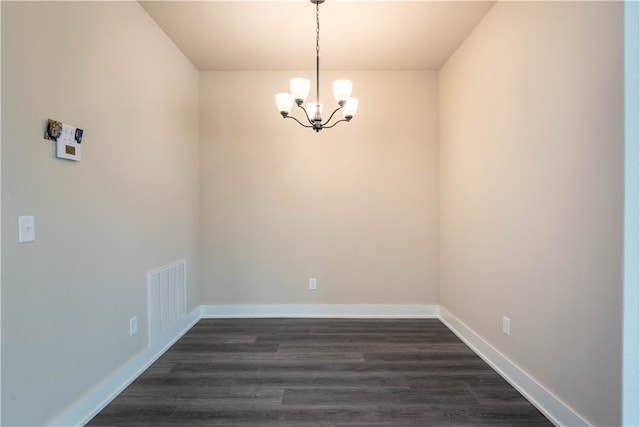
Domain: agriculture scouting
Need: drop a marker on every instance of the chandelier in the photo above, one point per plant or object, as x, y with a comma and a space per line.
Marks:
300, 90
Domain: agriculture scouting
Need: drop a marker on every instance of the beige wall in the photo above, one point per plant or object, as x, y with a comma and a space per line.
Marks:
531, 156
354, 206
129, 206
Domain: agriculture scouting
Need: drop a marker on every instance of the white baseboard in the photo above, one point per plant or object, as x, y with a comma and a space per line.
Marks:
378, 311
94, 401
552, 407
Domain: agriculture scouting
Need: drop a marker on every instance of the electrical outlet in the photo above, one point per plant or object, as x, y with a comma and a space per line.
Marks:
133, 326
506, 325
312, 283
26, 229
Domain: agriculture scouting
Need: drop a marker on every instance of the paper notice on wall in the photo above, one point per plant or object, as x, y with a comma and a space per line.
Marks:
68, 139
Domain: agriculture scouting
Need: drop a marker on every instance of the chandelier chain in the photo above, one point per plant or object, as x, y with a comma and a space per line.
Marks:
318, 54
318, 29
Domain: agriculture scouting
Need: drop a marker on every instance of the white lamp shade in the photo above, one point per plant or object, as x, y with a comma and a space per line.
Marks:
349, 109
300, 88
312, 108
342, 89
284, 101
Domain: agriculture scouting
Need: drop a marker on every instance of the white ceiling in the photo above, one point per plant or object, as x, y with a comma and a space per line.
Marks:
354, 35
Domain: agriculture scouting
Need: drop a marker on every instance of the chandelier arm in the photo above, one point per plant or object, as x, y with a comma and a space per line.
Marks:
329, 127
331, 116
306, 115
299, 122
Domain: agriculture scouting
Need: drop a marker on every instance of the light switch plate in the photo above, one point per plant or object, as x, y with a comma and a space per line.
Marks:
26, 229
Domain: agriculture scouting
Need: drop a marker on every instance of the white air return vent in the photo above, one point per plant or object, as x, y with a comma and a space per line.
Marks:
167, 294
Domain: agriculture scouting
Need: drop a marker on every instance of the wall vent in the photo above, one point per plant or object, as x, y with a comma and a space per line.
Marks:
167, 297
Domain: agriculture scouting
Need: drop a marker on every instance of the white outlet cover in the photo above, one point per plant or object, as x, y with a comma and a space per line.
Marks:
506, 325
133, 326
26, 229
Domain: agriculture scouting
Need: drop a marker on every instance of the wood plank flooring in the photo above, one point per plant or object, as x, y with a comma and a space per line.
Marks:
319, 372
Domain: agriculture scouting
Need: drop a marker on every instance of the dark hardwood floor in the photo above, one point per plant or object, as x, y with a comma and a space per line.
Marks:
319, 372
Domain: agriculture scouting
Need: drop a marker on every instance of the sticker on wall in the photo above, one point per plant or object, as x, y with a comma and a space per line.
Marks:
68, 139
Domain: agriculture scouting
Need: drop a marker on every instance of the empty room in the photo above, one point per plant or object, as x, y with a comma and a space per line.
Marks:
457, 245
